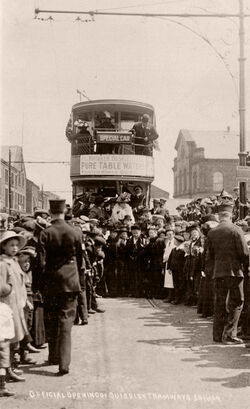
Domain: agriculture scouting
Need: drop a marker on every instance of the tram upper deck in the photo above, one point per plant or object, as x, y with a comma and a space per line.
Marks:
98, 129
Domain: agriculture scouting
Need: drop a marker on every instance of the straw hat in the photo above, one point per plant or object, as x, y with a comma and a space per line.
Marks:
28, 250
124, 197
9, 234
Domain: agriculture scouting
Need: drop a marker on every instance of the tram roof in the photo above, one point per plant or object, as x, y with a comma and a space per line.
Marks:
120, 104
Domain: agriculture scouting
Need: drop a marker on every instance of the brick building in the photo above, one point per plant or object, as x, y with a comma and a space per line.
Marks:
33, 197
206, 163
45, 197
17, 179
25, 194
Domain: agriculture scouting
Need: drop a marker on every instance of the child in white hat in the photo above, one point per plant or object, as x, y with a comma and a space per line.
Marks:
12, 293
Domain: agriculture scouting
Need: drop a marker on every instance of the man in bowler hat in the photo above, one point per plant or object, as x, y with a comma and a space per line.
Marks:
228, 252
61, 262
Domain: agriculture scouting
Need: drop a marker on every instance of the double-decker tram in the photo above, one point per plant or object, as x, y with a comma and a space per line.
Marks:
109, 151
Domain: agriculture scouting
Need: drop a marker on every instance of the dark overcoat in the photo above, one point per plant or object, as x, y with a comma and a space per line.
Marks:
227, 250
60, 253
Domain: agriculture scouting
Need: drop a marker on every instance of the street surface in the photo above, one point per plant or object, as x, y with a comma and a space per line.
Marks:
136, 355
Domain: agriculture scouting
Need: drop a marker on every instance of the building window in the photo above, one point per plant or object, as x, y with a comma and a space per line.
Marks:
22, 178
12, 200
217, 181
6, 176
180, 182
194, 181
19, 179
20, 199
12, 179
175, 183
185, 180
6, 198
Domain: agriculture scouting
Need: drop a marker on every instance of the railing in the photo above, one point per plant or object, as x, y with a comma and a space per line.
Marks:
91, 146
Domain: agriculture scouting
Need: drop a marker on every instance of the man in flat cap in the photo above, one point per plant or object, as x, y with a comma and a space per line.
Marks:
156, 209
61, 262
229, 255
145, 134
137, 201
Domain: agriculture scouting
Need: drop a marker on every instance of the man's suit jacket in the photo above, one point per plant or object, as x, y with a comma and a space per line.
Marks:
136, 201
227, 250
142, 132
134, 251
60, 253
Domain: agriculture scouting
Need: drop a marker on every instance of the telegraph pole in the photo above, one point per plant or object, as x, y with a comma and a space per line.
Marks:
242, 106
42, 195
9, 181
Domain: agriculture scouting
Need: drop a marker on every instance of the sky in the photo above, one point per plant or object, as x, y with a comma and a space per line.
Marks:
154, 60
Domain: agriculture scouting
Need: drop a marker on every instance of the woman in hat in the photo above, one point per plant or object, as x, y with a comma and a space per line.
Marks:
122, 209
38, 328
12, 293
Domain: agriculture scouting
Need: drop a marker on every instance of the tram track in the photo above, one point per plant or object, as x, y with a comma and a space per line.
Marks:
152, 302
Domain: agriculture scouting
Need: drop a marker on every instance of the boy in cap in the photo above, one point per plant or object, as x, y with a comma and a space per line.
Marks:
94, 249
135, 266
196, 250
156, 206
24, 259
111, 262
122, 273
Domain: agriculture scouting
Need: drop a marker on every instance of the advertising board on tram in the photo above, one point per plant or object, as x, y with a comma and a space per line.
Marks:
120, 165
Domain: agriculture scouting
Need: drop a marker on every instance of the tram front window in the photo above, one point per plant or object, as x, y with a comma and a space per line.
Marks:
105, 120
128, 119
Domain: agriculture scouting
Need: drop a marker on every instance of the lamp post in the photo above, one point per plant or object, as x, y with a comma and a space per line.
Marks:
242, 107
9, 181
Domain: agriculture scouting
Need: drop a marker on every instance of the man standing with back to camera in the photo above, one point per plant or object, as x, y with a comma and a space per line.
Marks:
61, 261
228, 252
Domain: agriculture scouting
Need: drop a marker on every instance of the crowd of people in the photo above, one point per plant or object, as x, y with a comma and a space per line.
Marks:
55, 266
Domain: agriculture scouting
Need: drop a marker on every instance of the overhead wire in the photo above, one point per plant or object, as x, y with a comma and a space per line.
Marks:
203, 37
143, 5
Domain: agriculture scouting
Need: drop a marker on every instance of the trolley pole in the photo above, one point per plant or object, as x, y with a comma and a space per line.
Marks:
9, 181
242, 106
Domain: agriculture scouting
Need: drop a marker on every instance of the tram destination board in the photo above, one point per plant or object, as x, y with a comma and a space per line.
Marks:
114, 137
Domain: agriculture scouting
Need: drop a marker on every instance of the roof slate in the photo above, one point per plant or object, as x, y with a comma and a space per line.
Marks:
16, 156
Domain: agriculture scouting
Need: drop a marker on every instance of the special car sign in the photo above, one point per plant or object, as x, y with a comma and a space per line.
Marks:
114, 137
